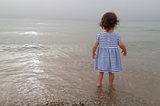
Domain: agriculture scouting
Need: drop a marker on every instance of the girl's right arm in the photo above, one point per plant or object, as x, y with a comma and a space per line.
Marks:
122, 46
95, 45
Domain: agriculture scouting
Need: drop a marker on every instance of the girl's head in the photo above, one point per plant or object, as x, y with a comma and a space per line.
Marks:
109, 21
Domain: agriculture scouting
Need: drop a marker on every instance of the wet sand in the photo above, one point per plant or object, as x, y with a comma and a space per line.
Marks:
102, 98
83, 91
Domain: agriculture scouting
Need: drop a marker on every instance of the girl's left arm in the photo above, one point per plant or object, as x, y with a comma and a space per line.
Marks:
95, 45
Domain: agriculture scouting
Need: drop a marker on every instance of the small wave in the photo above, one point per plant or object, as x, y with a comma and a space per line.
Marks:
26, 47
153, 30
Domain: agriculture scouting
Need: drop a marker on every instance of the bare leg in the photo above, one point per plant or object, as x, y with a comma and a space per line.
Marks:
99, 78
111, 78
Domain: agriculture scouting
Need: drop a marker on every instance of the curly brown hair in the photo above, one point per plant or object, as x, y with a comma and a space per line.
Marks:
109, 21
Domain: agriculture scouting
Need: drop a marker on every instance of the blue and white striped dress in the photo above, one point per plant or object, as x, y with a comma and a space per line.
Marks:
107, 57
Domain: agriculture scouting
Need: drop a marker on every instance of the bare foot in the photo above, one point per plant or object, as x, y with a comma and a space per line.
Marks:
111, 85
111, 89
98, 85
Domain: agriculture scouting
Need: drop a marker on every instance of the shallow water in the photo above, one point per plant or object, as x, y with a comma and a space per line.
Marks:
44, 60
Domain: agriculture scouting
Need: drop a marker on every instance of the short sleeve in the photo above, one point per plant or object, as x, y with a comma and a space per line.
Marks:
97, 38
118, 37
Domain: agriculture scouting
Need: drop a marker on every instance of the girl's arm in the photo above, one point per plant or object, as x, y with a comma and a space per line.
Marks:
122, 46
95, 45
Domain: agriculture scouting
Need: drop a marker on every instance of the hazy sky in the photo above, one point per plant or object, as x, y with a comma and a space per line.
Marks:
80, 9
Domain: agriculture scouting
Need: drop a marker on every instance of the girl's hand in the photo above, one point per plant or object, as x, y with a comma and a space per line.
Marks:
93, 56
124, 53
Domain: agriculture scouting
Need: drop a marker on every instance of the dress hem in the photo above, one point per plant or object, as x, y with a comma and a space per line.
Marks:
108, 70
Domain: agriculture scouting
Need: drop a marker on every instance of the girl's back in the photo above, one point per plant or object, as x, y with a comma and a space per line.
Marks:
108, 39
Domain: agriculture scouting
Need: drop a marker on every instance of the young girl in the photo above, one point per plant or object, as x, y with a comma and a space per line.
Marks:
107, 57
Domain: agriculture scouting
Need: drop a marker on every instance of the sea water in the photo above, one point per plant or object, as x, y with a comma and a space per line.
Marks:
50, 60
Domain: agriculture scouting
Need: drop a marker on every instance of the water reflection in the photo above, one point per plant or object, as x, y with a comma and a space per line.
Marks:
112, 97
29, 33
108, 97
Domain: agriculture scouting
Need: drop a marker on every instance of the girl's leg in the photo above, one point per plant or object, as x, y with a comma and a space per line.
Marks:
99, 78
111, 78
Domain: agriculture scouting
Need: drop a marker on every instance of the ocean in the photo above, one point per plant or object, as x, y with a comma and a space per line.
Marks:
50, 60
